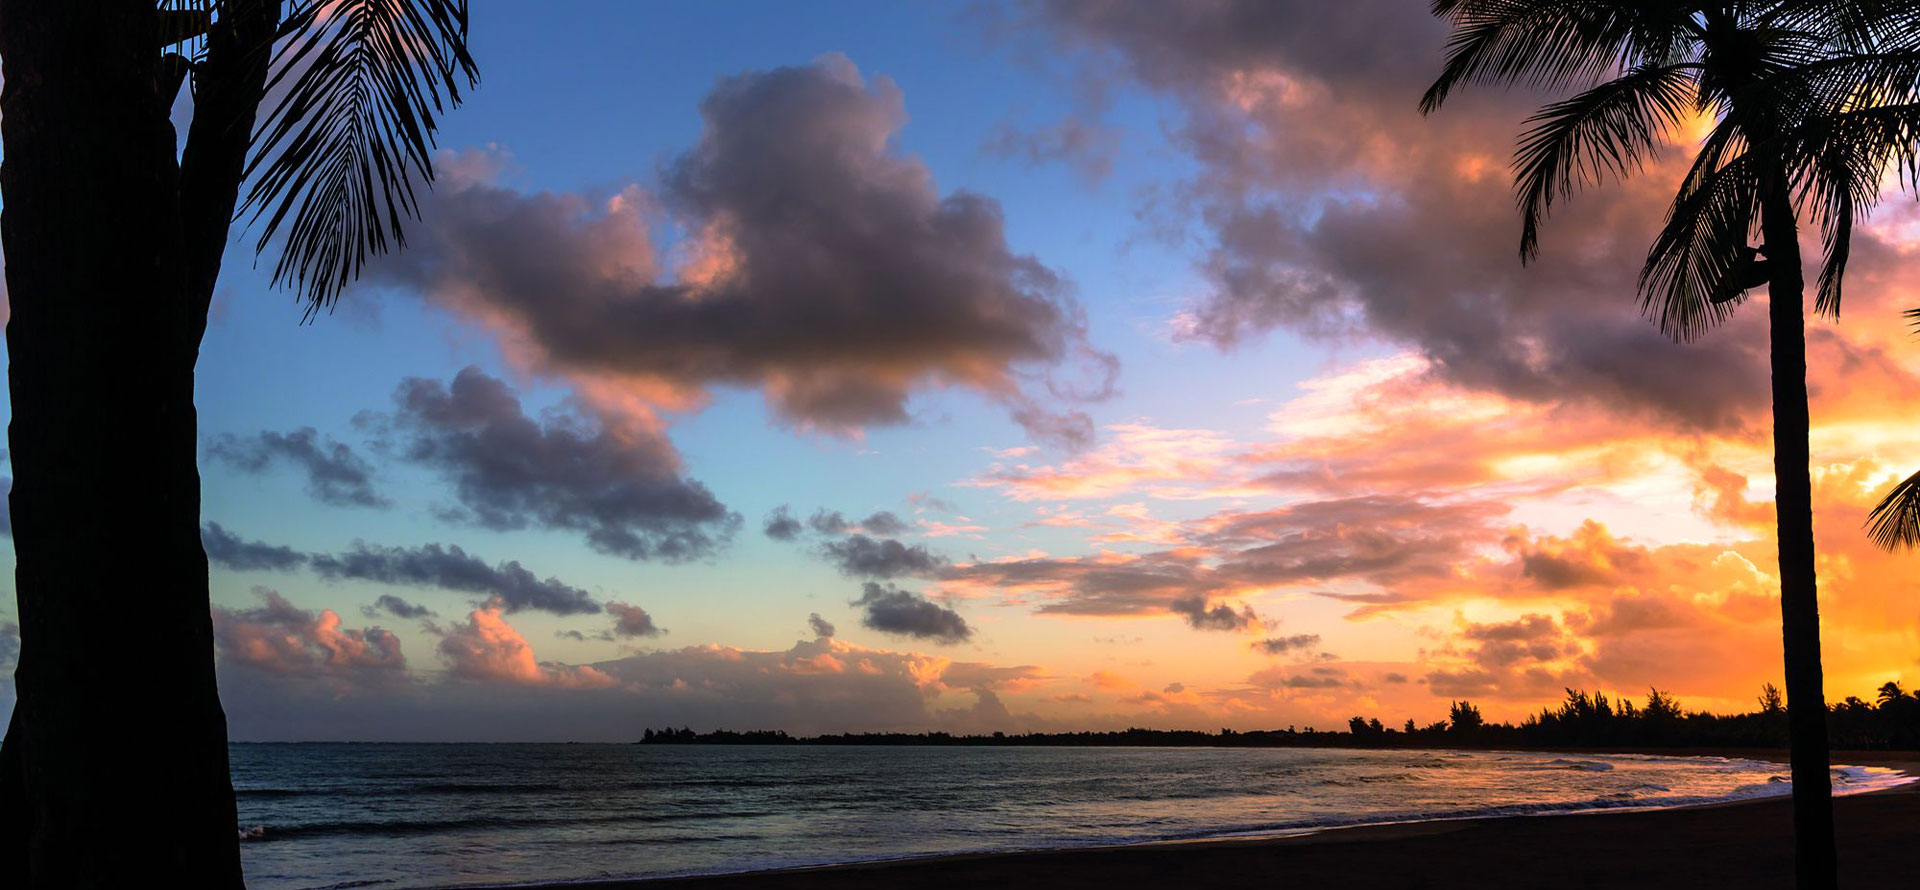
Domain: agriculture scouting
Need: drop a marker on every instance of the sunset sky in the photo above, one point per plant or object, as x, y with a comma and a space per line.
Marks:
1047, 365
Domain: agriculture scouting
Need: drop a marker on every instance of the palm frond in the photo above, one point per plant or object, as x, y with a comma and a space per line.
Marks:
184, 23
1690, 271
1837, 245
1551, 43
1913, 318
1895, 523
1840, 180
337, 161
1840, 83
1860, 25
1837, 161
1609, 130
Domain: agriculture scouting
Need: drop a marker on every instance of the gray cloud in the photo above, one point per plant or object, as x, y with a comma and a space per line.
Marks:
1531, 637
926, 501
834, 522
628, 622
828, 522
1380, 540
452, 568
1602, 563
821, 627
823, 268
1384, 539
1513, 659
892, 610
1283, 645
1274, 679
228, 550
780, 524
1087, 586
864, 557
1219, 617
622, 487
1320, 193
1086, 145
632, 621
883, 522
335, 474
397, 607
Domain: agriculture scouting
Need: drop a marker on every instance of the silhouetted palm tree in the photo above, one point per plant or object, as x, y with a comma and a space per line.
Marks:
114, 768
1895, 521
1811, 101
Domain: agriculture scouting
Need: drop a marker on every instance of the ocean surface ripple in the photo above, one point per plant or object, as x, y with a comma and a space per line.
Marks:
429, 816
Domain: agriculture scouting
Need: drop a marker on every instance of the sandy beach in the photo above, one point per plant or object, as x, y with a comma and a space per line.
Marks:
1742, 845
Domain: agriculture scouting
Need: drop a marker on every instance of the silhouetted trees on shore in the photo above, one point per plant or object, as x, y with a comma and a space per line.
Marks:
1582, 720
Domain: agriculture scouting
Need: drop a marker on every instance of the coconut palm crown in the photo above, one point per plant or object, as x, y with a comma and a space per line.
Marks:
1810, 103
1816, 96
346, 137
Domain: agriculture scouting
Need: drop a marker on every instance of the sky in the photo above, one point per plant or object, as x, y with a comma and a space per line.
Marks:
1012, 366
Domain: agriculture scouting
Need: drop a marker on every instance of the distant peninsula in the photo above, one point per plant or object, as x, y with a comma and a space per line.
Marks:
1582, 720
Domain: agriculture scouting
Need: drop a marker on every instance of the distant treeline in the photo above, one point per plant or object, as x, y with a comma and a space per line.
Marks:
1891, 721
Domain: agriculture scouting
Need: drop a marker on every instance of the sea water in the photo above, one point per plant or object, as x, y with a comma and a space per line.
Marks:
419, 816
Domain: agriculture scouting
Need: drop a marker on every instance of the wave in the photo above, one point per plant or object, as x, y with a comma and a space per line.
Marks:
1592, 766
1867, 779
401, 787
547, 824
400, 827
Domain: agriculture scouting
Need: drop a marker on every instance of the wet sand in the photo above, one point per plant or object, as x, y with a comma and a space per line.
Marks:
1747, 845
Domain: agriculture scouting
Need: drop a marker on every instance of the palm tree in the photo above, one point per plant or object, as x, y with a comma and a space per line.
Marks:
1811, 101
1895, 522
113, 235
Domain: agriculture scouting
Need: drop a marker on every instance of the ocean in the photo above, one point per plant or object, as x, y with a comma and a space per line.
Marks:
454, 815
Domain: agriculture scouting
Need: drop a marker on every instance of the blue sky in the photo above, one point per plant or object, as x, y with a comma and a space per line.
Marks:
1356, 459
600, 98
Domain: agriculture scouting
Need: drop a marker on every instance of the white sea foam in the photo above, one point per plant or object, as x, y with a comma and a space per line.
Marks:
437, 815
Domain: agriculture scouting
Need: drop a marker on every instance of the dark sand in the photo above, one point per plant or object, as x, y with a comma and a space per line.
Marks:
1748, 846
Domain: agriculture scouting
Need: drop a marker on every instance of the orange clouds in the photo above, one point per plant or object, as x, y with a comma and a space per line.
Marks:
1626, 532
488, 649
1135, 457
493, 674
279, 638
1532, 490
1534, 544
1591, 556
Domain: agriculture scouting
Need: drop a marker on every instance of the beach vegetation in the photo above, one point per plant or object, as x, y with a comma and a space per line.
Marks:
1582, 720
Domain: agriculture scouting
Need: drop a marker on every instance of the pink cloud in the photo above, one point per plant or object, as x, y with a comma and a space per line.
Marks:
280, 638
489, 650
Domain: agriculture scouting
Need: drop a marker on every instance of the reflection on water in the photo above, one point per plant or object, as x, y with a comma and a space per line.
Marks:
410, 816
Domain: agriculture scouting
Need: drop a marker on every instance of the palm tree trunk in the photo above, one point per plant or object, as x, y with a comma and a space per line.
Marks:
114, 768
1814, 859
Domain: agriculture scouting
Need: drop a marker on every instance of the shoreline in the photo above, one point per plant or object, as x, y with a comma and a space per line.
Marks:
1736, 844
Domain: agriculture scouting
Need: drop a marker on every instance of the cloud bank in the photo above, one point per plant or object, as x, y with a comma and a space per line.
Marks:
619, 484
823, 268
